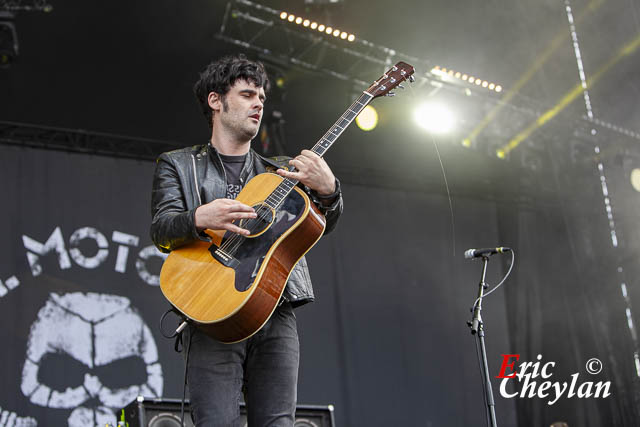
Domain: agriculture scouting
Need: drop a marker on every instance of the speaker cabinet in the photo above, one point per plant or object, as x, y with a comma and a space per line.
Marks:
144, 412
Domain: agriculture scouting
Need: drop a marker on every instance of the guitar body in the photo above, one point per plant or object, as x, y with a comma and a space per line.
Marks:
232, 301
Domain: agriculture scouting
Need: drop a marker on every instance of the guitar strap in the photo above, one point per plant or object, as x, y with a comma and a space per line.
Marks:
274, 163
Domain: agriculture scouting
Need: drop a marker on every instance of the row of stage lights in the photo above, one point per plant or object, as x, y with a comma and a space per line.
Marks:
466, 78
315, 26
285, 16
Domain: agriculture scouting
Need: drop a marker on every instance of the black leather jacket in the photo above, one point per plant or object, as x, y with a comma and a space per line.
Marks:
187, 178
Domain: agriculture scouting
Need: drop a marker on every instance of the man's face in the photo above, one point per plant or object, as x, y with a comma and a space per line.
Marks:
241, 110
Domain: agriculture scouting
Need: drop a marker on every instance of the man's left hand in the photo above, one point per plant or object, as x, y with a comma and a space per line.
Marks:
312, 171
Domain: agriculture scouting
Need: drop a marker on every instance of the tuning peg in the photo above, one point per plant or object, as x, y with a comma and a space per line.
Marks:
391, 94
401, 87
412, 79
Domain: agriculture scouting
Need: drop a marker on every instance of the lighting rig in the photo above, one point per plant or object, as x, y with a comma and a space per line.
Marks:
288, 39
314, 45
292, 39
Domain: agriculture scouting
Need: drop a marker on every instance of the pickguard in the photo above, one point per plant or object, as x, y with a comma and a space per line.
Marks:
251, 253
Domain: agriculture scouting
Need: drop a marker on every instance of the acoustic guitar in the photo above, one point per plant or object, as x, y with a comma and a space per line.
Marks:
229, 287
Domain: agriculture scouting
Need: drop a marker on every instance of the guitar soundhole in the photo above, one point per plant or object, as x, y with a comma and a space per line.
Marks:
259, 225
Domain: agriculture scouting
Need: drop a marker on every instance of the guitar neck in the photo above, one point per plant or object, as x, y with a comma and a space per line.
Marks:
321, 147
341, 124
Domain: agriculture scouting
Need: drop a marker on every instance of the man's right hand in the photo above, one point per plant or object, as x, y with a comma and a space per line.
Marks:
220, 214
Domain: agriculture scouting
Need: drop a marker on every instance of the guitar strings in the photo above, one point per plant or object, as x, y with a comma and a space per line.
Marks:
234, 242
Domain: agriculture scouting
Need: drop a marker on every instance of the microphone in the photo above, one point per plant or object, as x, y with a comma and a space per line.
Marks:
476, 253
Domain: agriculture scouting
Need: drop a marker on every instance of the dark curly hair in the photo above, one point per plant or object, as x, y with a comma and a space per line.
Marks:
220, 75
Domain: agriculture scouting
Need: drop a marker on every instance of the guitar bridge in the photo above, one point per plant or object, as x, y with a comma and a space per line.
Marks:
224, 258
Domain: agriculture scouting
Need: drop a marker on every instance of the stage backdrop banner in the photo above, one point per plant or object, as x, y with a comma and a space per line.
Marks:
79, 296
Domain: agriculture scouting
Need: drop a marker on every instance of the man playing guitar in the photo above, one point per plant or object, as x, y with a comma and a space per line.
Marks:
194, 190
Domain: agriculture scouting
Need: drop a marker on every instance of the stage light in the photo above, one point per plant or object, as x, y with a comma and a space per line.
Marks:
367, 119
448, 72
307, 23
439, 72
635, 179
434, 118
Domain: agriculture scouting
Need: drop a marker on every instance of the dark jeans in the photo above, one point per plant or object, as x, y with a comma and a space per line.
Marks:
264, 367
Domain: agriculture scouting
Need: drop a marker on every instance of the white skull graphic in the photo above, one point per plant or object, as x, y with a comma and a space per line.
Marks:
101, 347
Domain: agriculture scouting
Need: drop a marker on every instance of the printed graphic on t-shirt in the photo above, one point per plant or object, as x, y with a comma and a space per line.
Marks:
233, 190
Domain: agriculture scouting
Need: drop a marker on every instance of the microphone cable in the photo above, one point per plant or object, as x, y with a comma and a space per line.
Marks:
513, 259
446, 183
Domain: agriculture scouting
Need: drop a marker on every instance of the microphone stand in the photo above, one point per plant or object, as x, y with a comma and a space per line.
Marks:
477, 329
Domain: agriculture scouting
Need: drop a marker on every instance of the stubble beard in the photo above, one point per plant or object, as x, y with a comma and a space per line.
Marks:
245, 132
240, 125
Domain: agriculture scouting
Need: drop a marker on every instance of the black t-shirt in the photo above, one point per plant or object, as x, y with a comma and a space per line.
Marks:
233, 167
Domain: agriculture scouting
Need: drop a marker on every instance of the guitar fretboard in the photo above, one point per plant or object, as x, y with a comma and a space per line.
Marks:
284, 188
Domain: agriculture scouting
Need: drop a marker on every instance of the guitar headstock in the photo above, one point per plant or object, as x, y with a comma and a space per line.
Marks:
391, 79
